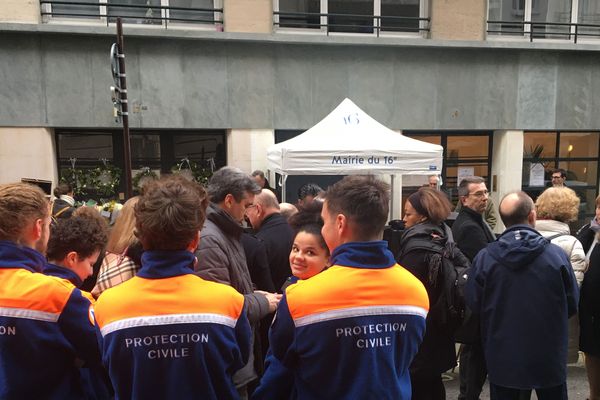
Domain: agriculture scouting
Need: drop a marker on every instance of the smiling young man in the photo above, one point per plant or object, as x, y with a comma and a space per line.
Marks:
46, 323
351, 331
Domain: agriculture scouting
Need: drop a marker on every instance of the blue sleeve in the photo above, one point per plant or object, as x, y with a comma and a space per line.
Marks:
277, 381
243, 336
475, 284
571, 288
275, 373
78, 324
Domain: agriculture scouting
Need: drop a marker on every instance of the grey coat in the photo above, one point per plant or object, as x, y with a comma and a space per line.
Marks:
221, 259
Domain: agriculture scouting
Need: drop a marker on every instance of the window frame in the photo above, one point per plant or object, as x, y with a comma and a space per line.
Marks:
104, 19
377, 31
531, 7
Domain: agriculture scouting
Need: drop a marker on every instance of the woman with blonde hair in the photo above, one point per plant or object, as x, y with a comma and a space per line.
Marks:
556, 207
123, 251
589, 303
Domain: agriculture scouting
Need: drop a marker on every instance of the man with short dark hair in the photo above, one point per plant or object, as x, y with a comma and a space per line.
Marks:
262, 181
47, 326
351, 331
471, 234
559, 176
221, 256
307, 193
524, 289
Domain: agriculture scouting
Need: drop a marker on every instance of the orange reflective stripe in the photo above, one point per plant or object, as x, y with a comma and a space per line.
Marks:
33, 291
345, 287
164, 296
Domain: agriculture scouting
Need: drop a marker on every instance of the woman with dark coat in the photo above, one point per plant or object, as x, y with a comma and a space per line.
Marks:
64, 204
424, 215
589, 303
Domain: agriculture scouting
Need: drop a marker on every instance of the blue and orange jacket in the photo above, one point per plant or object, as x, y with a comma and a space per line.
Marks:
45, 326
349, 332
95, 381
170, 334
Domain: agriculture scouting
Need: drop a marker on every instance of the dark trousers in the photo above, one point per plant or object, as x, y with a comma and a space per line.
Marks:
504, 393
473, 371
427, 386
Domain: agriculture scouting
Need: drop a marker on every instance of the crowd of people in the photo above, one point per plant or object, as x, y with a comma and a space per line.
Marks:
223, 292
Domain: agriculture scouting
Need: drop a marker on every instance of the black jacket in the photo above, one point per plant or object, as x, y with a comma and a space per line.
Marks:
436, 354
278, 237
590, 288
58, 206
258, 264
471, 233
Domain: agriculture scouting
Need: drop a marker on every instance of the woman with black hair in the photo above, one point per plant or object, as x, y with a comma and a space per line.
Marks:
424, 215
64, 204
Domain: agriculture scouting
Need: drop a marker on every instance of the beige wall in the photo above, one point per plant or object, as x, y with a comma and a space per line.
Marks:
458, 19
247, 149
24, 11
27, 153
507, 167
254, 16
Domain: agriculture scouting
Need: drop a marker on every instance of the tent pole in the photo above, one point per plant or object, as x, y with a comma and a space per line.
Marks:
391, 216
283, 196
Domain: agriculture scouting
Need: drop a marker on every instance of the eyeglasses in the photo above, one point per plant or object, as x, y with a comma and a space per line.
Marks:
481, 193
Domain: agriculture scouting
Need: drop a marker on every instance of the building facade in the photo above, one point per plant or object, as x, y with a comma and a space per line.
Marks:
507, 87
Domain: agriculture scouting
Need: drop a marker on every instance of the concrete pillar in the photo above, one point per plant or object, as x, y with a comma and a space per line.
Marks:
507, 167
20, 11
247, 149
251, 16
27, 153
458, 19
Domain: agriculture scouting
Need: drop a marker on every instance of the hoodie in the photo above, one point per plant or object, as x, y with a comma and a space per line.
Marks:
524, 289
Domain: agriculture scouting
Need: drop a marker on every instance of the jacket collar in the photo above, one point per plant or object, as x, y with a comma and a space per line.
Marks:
157, 264
273, 219
224, 221
472, 213
371, 255
64, 273
13, 255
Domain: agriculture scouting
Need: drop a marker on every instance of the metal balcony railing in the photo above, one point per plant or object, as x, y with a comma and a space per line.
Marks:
545, 30
107, 11
350, 23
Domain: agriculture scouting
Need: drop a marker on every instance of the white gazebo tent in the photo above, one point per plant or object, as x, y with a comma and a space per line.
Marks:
348, 141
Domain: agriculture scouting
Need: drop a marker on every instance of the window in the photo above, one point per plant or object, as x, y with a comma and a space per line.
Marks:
160, 151
151, 12
575, 152
535, 19
465, 153
356, 16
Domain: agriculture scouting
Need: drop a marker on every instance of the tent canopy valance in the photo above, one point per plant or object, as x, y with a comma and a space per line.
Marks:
349, 141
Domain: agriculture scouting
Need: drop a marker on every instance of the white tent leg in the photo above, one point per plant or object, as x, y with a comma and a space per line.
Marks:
396, 197
283, 180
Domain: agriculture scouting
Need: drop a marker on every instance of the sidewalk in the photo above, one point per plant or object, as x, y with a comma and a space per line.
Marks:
576, 383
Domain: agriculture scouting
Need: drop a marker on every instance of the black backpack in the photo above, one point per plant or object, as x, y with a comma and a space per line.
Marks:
448, 267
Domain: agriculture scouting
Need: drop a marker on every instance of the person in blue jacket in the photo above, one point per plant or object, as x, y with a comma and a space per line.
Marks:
351, 331
524, 289
47, 326
167, 333
73, 248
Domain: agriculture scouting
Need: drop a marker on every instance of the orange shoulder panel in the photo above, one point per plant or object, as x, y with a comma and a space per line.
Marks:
185, 294
33, 291
346, 287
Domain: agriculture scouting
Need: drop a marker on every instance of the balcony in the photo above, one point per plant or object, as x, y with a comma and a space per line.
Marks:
178, 13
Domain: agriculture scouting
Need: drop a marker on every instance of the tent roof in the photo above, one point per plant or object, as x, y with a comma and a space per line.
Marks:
349, 141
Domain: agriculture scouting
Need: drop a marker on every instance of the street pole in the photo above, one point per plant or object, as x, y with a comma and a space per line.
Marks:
124, 110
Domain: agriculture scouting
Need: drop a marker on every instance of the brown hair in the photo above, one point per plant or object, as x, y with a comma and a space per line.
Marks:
83, 234
170, 213
558, 203
364, 200
20, 205
432, 204
122, 233
463, 186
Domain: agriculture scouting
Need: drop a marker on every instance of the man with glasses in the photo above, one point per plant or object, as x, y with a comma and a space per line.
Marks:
471, 234
559, 176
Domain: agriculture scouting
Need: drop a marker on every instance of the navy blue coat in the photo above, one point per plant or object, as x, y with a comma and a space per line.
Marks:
524, 290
